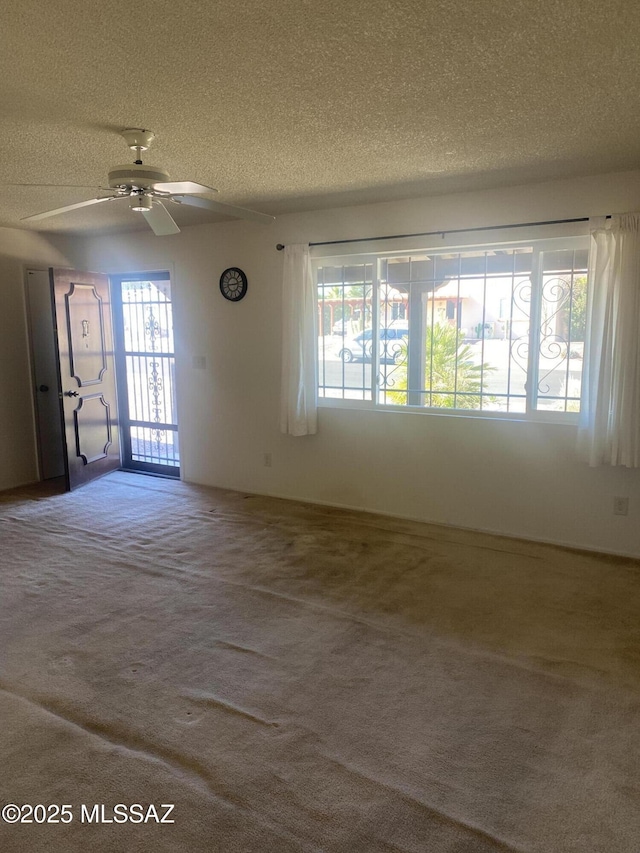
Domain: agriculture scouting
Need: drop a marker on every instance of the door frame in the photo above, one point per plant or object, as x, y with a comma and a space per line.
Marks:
45, 368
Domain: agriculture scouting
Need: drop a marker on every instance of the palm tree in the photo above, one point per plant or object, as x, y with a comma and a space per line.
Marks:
453, 379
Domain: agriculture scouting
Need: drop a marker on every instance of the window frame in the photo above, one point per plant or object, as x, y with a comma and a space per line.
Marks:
540, 244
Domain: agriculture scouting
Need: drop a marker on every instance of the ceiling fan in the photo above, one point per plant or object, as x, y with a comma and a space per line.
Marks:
148, 187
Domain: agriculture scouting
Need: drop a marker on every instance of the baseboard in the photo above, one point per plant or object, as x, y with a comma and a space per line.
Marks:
565, 544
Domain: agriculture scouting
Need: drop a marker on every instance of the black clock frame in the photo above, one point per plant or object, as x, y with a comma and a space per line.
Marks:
239, 278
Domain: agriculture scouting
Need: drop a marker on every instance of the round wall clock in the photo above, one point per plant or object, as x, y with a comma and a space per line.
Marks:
233, 284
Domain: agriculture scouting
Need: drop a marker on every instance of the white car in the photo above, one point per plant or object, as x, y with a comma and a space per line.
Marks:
392, 345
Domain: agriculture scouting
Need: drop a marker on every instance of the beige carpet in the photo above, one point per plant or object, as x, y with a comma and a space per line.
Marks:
296, 678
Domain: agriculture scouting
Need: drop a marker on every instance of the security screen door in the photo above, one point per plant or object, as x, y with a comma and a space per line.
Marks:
146, 372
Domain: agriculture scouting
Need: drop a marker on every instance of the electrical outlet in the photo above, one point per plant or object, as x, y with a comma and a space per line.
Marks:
620, 506
267, 460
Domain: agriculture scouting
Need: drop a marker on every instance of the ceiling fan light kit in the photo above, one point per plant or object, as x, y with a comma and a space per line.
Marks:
141, 202
147, 187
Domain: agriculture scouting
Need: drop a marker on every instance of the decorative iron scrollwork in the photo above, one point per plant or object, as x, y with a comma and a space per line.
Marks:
521, 304
156, 387
152, 329
553, 346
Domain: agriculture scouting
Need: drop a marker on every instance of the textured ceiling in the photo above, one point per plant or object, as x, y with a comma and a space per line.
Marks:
286, 105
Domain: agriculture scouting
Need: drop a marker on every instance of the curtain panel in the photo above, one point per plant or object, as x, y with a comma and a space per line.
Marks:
298, 411
609, 431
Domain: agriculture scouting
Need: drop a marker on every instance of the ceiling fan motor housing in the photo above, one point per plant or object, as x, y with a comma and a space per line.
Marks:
137, 176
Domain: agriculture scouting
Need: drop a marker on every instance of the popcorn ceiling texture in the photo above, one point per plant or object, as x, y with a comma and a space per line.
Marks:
300, 679
293, 104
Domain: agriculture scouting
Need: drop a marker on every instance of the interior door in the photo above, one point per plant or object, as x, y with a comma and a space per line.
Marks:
87, 374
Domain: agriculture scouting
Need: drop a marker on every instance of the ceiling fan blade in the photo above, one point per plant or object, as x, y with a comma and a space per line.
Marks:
57, 186
183, 187
160, 220
67, 208
225, 209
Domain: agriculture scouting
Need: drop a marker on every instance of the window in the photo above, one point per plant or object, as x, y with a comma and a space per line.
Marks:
496, 328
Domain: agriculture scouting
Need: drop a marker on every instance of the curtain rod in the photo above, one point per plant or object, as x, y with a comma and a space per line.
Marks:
280, 246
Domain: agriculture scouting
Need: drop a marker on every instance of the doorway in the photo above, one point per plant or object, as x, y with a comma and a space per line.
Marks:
145, 367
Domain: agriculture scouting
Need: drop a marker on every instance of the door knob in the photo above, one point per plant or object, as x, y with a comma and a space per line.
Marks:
71, 394
44, 388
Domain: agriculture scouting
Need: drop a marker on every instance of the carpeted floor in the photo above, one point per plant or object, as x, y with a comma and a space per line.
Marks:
297, 678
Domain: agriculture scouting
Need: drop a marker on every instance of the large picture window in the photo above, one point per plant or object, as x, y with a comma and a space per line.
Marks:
496, 328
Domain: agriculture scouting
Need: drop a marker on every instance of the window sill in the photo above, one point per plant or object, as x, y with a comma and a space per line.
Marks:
569, 419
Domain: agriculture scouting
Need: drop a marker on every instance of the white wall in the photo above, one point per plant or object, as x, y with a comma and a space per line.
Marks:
19, 249
516, 478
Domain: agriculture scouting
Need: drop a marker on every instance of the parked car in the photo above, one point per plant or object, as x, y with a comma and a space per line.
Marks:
360, 347
341, 327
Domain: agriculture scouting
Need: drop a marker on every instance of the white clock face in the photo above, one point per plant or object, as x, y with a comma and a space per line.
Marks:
233, 284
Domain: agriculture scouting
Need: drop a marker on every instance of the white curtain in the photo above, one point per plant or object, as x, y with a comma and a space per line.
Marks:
298, 412
610, 412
